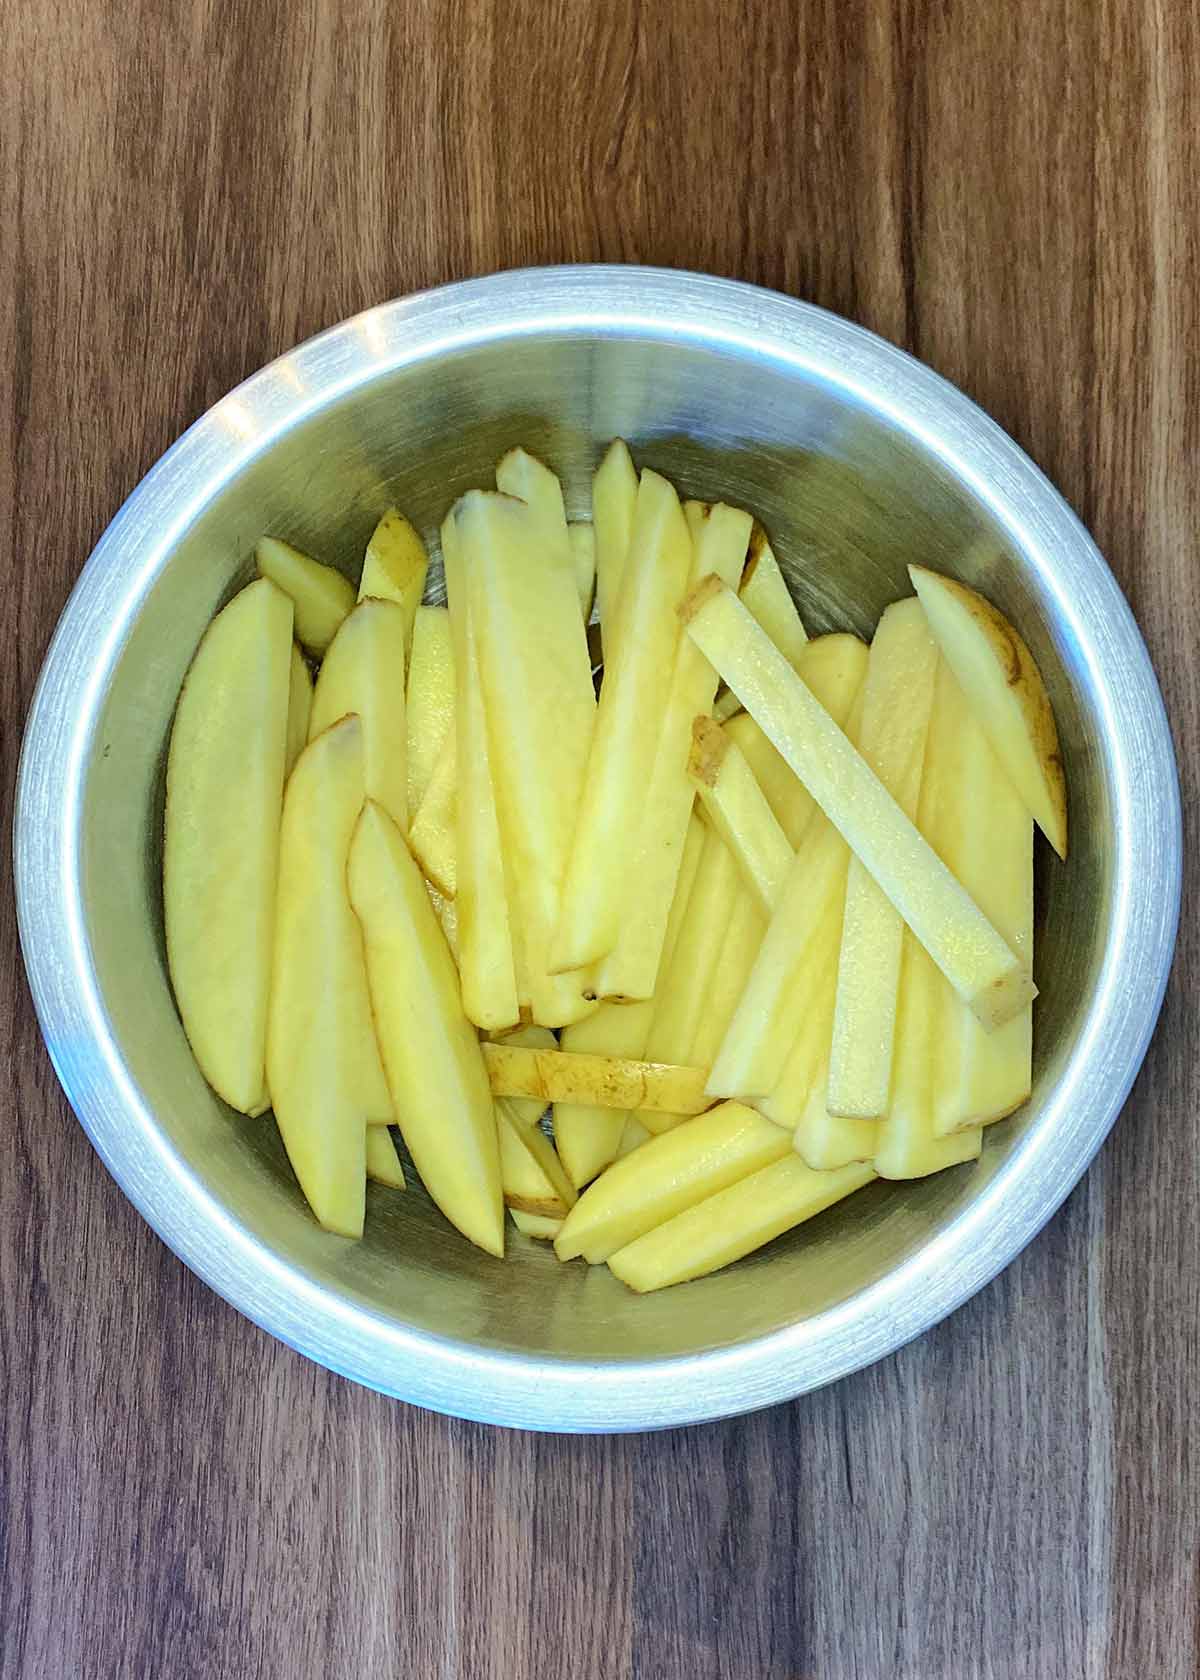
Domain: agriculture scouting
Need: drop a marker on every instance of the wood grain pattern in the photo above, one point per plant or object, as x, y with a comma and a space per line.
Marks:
1009, 191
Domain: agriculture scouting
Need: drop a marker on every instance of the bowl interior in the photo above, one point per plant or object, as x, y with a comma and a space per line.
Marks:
849, 500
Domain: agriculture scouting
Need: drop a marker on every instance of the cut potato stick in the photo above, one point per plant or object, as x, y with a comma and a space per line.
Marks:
486, 956
739, 812
531, 1174
985, 835
681, 999
811, 1014
435, 1070
632, 969
300, 694
726, 706
429, 700
769, 600
443, 909
321, 596
225, 773
540, 704
666, 1176
634, 691
1004, 688
908, 1145
589, 1137
603, 1081
383, 1163
582, 538
834, 668
733, 1223
363, 672
394, 569
633, 1136
995, 982
526, 1111
535, 1225
323, 1067
434, 833
614, 500
897, 701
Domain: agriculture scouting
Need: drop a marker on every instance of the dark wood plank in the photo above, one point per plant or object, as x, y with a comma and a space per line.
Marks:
1009, 192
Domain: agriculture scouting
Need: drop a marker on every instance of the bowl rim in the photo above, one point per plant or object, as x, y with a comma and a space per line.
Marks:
458, 1377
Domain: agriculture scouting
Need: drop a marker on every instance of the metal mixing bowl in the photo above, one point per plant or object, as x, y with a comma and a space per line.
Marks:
857, 459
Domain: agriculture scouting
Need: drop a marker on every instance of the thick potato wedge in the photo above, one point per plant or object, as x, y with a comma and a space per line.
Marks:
555, 1076
321, 597
536, 1225
429, 701
363, 672
769, 600
225, 773
435, 1069
540, 705
738, 810
667, 1175
383, 1163
589, 1137
633, 694
632, 970
897, 701
834, 667
323, 1065
394, 569
1004, 688
531, 1174
995, 982
582, 538
487, 954
614, 501
733, 1223
300, 695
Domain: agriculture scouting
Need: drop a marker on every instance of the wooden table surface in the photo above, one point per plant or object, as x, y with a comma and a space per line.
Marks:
1010, 192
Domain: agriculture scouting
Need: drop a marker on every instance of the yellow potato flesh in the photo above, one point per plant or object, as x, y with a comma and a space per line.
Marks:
323, 1065
321, 596
434, 832
540, 705
614, 501
394, 569
225, 773
383, 1163
555, 1076
632, 969
434, 1065
769, 600
967, 948
1004, 688
897, 701
582, 538
733, 1223
363, 673
429, 701
300, 695
667, 1175
536, 1225
738, 810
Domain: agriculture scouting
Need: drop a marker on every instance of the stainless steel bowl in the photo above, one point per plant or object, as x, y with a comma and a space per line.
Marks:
857, 459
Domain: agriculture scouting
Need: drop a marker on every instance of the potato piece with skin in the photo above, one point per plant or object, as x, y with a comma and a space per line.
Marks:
535, 1225
383, 1163
733, 1223
897, 702
540, 706
363, 672
582, 538
614, 501
321, 597
588, 1137
429, 701
531, 1174
323, 1066
833, 668
666, 1176
1004, 688
555, 1076
300, 695
634, 689
432, 1057
225, 772
769, 599
738, 810
434, 832
970, 952
632, 970
487, 954
394, 569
